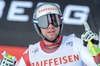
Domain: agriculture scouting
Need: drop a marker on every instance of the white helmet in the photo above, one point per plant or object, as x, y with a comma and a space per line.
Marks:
46, 8
43, 15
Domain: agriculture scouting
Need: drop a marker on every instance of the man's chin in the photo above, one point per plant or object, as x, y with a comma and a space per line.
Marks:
52, 39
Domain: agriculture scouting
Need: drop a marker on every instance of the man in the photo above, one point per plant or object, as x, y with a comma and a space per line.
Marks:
54, 49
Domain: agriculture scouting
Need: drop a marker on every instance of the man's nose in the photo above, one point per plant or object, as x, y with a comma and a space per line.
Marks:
51, 26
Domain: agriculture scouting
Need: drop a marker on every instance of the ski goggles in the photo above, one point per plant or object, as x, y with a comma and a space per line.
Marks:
45, 20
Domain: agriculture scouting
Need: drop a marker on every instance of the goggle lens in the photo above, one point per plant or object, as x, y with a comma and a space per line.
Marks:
45, 20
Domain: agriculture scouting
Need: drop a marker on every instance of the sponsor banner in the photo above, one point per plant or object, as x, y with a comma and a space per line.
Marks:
75, 14
16, 27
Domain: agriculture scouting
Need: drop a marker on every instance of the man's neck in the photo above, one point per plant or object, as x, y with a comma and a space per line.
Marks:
50, 47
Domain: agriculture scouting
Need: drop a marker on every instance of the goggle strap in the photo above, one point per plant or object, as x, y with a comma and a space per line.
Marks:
57, 19
49, 18
35, 21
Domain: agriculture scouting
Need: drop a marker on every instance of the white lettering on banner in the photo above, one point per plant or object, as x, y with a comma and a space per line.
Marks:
2, 6
75, 14
16, 11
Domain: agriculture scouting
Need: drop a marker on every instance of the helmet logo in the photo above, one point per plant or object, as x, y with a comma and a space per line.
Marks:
47, 9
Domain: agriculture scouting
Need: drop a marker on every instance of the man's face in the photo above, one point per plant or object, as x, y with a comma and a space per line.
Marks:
51, 32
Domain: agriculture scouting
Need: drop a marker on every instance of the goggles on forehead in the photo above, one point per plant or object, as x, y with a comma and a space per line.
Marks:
45, 20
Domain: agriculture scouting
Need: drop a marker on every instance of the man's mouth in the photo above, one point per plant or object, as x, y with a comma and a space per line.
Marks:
51, 31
